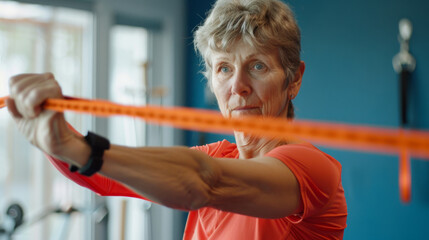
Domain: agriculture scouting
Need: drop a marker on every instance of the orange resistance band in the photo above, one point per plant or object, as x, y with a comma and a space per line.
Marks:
2, 102
392, 141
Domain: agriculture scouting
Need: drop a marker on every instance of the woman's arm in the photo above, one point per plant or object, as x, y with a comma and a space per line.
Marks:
188, 179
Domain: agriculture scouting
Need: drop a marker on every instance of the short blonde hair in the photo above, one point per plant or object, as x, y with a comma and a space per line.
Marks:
264, 24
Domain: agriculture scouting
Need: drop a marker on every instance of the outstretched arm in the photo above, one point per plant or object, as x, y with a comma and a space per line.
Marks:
176, 177
188, 179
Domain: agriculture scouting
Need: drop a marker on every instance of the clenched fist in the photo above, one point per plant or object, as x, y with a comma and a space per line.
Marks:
45, 129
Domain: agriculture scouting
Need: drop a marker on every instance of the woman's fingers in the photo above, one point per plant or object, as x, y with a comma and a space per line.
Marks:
26, 95
10, 103
35, 96
29, 92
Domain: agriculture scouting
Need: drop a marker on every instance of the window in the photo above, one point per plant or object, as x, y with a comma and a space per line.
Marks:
128, 85
36, 38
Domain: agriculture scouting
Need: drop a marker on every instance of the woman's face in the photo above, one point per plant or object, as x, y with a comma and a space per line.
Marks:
249, 82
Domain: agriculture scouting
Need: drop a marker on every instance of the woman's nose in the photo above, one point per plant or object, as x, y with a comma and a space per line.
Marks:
241, 84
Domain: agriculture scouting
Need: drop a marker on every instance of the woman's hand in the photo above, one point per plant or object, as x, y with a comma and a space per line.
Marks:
45, 129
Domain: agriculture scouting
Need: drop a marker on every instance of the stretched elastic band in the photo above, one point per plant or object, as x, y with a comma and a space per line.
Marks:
405, 143
361, 138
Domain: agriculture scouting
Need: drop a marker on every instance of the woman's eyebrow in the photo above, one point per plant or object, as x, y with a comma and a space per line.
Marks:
257, 55
250, 56
218, 59
221, 59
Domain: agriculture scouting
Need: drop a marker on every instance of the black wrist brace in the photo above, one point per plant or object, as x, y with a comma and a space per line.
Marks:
98, 145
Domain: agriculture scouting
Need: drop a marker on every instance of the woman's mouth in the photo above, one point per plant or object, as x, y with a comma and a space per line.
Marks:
245, 110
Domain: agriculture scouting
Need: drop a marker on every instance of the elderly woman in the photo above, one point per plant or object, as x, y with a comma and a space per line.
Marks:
257, 188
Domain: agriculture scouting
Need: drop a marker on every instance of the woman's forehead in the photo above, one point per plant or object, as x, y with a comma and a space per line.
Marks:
243, 52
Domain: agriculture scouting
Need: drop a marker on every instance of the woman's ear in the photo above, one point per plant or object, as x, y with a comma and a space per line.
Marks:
295, 85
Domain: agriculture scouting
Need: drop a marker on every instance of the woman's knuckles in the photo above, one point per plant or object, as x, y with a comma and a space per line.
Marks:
31, 90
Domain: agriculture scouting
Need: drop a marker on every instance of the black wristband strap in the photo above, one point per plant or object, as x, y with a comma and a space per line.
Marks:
98, 145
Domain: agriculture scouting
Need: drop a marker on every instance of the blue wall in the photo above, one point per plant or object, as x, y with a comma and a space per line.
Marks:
348, 48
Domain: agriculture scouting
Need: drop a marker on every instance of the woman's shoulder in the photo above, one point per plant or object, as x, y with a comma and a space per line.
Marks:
304, 152
308, 163
224, 149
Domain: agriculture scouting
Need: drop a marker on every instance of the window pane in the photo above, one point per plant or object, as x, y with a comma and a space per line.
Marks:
128, 82
128, 86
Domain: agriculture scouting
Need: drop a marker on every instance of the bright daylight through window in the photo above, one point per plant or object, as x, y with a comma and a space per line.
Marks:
39, 39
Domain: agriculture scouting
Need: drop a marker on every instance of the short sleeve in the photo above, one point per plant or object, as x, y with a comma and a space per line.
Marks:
318, 175
221, 149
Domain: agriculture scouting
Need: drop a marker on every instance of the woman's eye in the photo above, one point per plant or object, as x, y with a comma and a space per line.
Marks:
259, 66
224, 69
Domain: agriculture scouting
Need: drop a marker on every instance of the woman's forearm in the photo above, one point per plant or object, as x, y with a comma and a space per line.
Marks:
176, 177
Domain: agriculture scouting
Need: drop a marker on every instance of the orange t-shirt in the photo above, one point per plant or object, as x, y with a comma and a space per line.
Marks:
324, 212
319, 175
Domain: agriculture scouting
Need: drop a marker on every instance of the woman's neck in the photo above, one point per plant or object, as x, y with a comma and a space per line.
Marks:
250, 146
